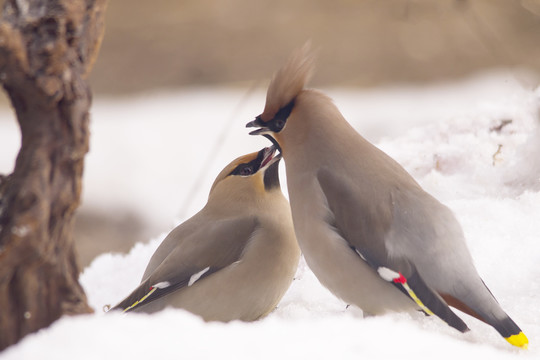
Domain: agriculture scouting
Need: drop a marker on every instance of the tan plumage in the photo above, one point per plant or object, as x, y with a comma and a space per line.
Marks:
368, 231
234, 259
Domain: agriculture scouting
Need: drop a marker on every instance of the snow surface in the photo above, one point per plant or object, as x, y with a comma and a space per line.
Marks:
157, 154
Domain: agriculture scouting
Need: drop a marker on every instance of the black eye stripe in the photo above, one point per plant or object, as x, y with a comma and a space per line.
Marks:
245, 170
254, 165
285, 111
280, 119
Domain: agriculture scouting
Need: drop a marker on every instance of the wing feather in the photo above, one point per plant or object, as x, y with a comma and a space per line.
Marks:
363, 221
206, 251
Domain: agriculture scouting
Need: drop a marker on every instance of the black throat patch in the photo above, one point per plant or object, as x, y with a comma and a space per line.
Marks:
271, 176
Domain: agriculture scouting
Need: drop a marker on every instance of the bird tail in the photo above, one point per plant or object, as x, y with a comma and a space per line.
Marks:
512, 333
491, 313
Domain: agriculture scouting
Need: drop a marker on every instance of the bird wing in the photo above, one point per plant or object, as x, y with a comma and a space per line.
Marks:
363, 218
209, 249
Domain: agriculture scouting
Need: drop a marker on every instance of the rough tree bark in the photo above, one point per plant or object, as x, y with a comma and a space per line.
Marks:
47, 48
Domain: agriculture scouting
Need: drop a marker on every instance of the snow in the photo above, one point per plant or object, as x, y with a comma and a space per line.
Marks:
158, 153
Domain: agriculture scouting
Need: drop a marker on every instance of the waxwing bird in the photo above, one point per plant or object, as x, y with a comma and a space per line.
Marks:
234, 259
366, 228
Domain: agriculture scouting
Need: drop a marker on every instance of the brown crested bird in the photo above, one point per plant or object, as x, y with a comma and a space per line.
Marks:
367, 229
234, 259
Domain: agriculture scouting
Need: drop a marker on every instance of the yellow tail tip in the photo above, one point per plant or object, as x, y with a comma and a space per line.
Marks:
519, 340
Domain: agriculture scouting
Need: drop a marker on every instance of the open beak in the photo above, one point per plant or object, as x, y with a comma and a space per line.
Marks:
268, 156
264, 131
257, 123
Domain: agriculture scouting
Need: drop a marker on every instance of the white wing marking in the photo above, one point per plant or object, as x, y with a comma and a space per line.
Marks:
197, 276
162, 285
387, 274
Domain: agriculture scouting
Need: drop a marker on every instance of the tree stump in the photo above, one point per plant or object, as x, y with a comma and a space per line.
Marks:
47, 48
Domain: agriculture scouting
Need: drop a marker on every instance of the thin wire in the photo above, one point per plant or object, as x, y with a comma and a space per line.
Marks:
218, 144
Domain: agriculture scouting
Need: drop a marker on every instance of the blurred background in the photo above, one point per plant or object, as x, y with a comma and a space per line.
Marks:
165, 64
165, 43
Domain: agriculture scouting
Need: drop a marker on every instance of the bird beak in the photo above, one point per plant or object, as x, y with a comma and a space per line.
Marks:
264, 131
260, 124
268, 156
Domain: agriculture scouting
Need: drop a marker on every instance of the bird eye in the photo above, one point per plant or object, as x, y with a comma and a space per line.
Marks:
280, 118
280, 124
246, 171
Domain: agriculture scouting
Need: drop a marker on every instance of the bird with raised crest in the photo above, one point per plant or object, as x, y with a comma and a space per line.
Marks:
366, 228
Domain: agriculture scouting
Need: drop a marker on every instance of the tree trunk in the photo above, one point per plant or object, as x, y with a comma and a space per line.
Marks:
47, 48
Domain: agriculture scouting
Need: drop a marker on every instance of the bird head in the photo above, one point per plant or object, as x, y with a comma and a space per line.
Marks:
287, 83
250, 174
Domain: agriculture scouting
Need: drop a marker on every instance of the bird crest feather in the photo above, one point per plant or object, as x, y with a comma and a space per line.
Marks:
288, 81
